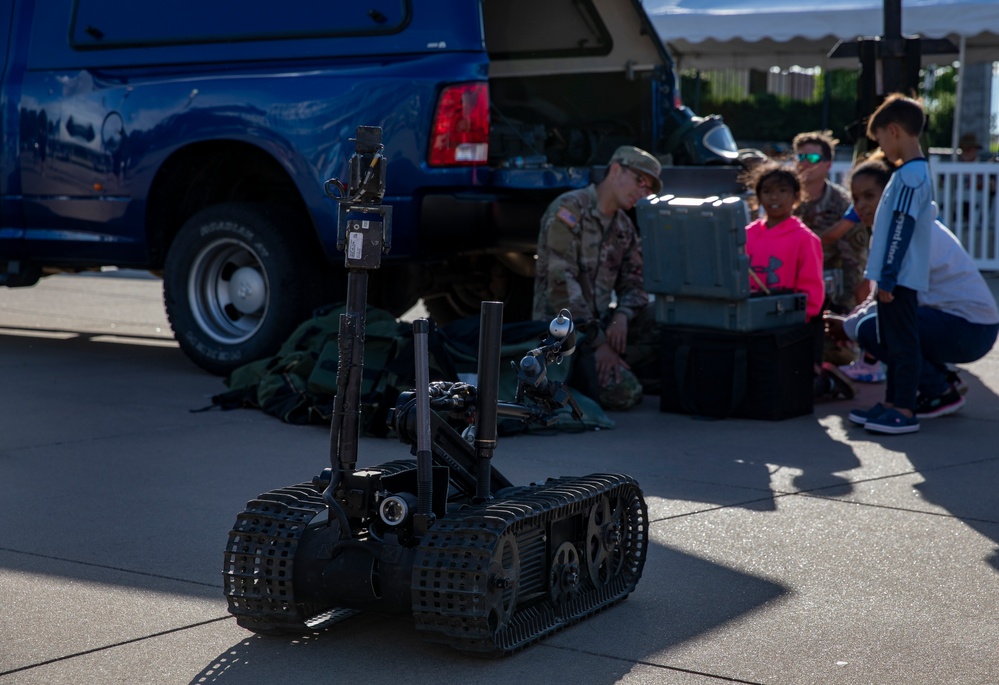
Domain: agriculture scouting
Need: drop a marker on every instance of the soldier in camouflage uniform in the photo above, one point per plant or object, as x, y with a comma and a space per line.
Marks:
588, 249
844, 254
824, 207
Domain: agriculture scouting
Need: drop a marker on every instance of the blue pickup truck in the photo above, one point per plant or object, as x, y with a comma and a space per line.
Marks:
193, 139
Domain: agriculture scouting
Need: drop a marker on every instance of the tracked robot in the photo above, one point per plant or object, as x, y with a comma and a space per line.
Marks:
483, 565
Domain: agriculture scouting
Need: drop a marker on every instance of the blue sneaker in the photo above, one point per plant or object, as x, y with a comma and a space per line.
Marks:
892, 422
862, 416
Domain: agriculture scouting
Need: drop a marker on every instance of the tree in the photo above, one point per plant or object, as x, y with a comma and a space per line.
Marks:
940, 100
775, 118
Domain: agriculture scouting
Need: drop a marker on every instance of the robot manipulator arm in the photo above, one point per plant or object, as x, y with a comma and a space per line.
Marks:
538, 397
532, 372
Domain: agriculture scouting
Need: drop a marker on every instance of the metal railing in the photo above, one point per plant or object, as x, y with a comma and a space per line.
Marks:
969, 207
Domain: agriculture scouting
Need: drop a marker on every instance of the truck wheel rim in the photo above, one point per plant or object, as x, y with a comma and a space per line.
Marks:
228, 291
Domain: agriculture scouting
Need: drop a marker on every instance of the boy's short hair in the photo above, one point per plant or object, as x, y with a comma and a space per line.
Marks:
898, 109
824, 139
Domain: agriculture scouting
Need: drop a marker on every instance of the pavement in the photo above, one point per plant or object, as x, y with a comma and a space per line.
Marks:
800, 551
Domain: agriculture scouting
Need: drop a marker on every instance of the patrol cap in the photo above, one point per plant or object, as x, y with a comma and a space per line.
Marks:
639, 160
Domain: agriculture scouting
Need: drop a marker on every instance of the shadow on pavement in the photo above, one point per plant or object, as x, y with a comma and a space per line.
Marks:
730, 462
958, 475
704, 465
679, 597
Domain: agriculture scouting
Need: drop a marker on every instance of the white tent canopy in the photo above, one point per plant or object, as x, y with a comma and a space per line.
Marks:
721, 34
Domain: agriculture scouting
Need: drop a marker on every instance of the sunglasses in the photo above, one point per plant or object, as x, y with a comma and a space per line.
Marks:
810, 157
641, 181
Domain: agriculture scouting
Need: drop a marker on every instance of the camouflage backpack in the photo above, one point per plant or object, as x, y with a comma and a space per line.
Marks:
298, 383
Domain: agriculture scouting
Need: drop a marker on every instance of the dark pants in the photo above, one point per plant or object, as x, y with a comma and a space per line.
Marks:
898, 333
818, 328
943, 339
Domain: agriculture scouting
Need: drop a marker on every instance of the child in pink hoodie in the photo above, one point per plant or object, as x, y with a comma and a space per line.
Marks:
784, 254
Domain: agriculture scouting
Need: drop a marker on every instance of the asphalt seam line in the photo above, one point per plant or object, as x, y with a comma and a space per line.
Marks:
114, 645
727, 679
110, 568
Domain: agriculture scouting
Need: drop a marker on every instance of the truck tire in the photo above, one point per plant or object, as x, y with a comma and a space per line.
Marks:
235, 284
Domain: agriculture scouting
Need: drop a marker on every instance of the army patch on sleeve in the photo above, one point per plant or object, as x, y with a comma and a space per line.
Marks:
567, 217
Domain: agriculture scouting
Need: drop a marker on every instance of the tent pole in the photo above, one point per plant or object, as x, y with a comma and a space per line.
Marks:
826, 97
955, 127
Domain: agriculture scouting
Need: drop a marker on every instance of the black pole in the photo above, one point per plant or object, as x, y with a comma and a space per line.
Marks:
893, 54
899, 59
424, 457
346, 425
490, 340
892, 18
363, 233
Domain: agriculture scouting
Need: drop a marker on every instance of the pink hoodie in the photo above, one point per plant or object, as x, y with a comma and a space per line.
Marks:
787, 256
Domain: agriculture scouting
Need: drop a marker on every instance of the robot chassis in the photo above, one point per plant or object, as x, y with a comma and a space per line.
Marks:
483, 565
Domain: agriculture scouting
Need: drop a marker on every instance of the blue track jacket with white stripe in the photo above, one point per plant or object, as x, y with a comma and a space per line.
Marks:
900, 244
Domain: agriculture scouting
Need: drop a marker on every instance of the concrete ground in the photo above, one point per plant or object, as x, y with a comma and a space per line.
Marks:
802, 551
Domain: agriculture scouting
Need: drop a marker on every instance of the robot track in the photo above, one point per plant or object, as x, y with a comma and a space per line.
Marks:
259, 560
492, 579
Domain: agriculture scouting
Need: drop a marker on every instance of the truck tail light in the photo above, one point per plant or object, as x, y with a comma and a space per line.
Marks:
460, 134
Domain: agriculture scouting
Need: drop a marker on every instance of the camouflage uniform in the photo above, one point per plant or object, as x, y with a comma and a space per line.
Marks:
584, 257
849, 253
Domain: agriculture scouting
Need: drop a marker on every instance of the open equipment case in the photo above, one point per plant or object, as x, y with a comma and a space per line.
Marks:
696, 265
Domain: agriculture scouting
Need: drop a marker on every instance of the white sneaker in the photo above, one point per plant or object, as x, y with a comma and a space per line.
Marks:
862, 372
